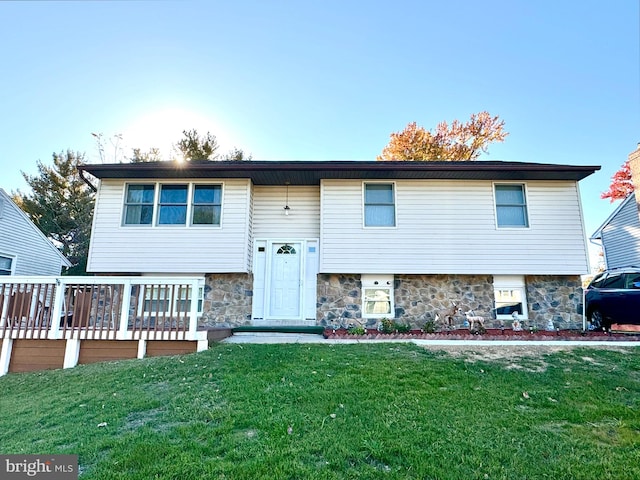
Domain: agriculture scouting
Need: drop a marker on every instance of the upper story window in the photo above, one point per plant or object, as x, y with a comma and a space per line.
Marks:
173, 204
6, 264
511, 206
379, 205
207, 205
138, 205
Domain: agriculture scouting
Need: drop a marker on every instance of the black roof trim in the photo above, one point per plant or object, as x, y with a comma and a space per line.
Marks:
311, 172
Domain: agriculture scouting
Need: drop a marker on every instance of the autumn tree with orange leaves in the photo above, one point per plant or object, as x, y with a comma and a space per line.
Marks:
456, 142
621, 184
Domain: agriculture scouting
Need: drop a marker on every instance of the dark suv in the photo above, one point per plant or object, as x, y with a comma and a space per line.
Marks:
613, 296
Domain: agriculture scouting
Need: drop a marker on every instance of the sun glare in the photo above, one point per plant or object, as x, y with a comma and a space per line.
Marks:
162, 128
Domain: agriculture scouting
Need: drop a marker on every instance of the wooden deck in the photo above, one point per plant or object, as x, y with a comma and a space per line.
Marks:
58, 322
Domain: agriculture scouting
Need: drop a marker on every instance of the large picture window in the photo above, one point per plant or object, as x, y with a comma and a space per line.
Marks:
379, 205
175, 203
511, 206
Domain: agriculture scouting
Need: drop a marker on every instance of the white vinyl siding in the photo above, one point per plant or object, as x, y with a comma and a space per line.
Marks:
170, 249
449, 226
269, 220
31, 252
621, 236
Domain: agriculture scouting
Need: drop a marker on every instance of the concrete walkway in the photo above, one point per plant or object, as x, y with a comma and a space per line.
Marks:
268, 338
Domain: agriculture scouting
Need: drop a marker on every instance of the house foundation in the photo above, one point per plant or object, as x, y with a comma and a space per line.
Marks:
227, 300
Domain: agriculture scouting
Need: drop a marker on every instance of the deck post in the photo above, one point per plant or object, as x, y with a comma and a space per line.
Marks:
142, 348
122, 333
58, 305
193, 313
5, 355
71, 353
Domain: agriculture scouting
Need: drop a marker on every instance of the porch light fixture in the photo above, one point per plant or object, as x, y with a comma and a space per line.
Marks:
287, 208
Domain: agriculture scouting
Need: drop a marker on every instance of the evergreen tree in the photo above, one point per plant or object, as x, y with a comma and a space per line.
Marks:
61, 206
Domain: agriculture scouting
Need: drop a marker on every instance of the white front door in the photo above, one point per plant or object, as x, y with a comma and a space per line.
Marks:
284, 300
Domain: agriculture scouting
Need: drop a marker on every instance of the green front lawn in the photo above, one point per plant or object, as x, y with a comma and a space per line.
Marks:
391, 411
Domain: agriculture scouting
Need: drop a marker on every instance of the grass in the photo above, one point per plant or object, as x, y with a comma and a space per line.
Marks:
392, 411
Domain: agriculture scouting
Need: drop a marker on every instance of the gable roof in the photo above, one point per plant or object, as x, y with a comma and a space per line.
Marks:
311, 172
597, 235
6, 201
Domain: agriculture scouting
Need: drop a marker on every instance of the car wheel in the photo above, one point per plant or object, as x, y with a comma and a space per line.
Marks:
597, 320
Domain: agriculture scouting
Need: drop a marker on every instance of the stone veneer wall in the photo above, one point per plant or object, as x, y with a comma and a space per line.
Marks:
227, 300
419, 297
339, 300
554, 297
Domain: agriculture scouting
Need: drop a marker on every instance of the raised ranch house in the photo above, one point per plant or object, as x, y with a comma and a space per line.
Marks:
342, 243
179, 249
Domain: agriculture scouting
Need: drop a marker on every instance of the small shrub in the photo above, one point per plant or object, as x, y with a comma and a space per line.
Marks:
390, 326
402, 327
429, 326
356, 330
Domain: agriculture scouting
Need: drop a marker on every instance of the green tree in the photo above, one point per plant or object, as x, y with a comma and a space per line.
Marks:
205, 147
151, 155
61, 205
458, 141
197, 147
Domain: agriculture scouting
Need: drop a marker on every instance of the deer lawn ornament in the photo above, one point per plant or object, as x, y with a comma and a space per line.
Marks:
476, 322
447, 316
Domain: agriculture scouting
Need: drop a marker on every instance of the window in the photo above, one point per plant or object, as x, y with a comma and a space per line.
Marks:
511, 206
172, 206
6, 264
138, 205
207, 205
379, 205
510, 297
377, 296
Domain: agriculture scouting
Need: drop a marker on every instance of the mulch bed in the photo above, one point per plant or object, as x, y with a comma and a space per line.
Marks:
490, 334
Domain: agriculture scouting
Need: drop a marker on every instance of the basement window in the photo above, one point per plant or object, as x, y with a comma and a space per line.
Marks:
377, 296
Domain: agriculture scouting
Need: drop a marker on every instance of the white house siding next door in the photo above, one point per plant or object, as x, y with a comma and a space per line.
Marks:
285, 285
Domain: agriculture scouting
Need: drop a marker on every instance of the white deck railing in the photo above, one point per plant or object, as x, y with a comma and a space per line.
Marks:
106, 308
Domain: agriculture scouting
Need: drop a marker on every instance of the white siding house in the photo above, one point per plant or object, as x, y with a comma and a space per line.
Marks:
24, 250
619, 235
305, 243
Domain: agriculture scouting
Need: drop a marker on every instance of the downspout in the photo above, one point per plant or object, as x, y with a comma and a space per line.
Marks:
86, 180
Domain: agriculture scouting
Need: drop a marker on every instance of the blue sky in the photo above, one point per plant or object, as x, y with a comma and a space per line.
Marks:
295, 80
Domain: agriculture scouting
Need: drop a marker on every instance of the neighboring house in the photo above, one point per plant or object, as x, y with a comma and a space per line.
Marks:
619, 235
24, 249
337, 243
